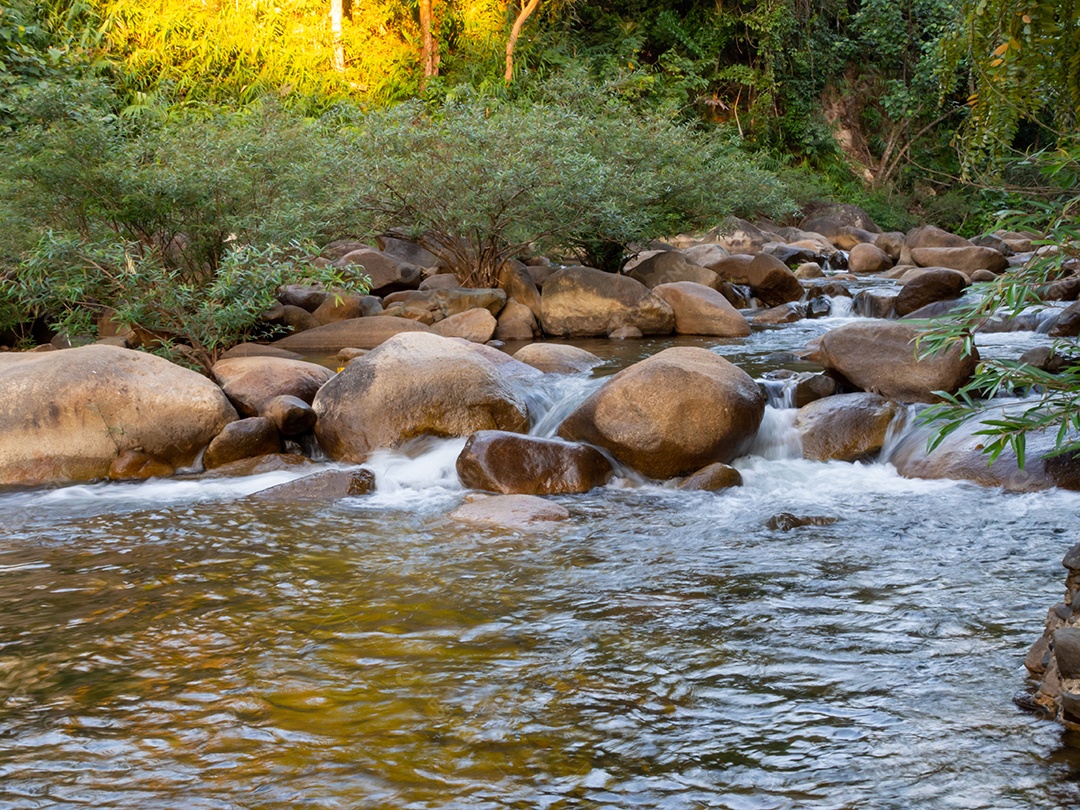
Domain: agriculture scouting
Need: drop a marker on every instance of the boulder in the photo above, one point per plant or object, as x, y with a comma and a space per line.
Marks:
739, 236
258, 350
328, 485
876, 303
245, 438
66, 415
842, 236
712, 478
555, 358
416, 384
515, 281
701, 310
290, 415
866, 258
510, 511
809, 270
455, 301
1068, 323
583, 302
672, 413
302, 295
936, 284
511, 464
960, 457
358, 333
706, 255
516, 322
842, 213
135, 465
342, 307
930, 236
785, 313
251, 382
298, 319
890, 243
386, 272
475, 325
672, 266
260, 465
847, 427
768, 278
965, 259
408, 251
879, 356
440, 281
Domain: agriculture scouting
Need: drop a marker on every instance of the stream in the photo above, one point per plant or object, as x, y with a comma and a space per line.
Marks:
174, 644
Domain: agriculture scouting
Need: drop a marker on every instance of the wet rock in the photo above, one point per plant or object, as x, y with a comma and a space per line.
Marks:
66, 415
670, 267
812, 387
290, 415
866, 258
1044, 358
960, 457
510, 511
934, 310
1066, 646
785, 313
772, 281
259, 465
1066, 289
785, 521
245, 438
251, 382
712, 478
820, 306
328, 485
416, 384
879, 356
846, 427
625, 333
475, 325
701, 310
360, 333
497, 461
135, 465
793, 255
1068, 323
583, 302
672, 413
936, 284
833, 289
557, 359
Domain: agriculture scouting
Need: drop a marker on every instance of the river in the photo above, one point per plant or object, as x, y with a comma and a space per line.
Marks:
173, 644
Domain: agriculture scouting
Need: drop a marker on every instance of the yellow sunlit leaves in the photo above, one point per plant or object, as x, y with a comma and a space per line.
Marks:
1000, 49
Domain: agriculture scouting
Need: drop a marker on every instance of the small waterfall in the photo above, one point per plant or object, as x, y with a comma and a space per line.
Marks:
780, 391
554, 397
841, 306
902, 425
777, 437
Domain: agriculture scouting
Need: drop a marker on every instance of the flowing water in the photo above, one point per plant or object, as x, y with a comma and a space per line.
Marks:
174, 644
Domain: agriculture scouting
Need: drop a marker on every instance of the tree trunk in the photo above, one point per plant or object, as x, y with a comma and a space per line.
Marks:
336, 12
515, 32
428, 44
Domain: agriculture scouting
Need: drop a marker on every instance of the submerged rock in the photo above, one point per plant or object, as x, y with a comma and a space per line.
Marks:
785, 521
712, 478
557, 358
328, 485
510, 511
672, 413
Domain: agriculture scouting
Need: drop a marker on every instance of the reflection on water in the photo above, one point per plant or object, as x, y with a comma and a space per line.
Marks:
662, 649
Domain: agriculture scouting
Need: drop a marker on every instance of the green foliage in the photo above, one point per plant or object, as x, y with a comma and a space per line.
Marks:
1053, 399
189, 318
478, 181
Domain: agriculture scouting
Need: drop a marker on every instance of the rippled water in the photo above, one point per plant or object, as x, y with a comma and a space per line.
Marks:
175, 644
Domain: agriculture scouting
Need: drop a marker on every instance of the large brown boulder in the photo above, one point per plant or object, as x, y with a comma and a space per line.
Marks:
496, 461
416, 384
936, 284
847, 427
701, 310
671, 266
476, 325
867, 258
67, 415
965, 259
584, 302
251, 382
387, 272
515, 281
672, 413
244, 438
516, 322
357, 333
880, 356
341, 307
